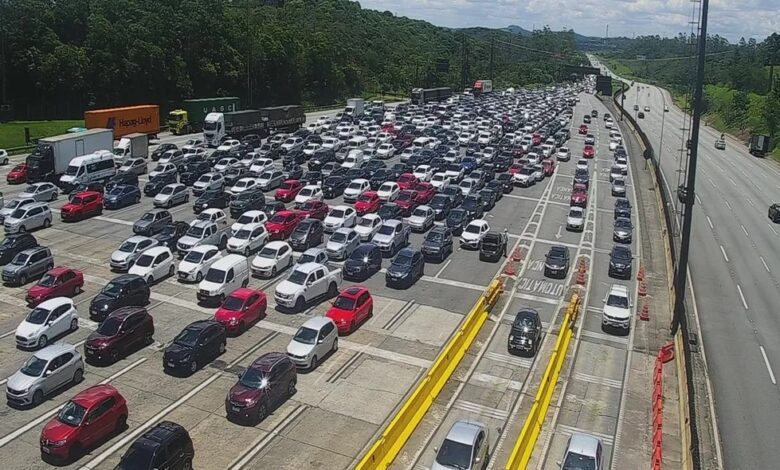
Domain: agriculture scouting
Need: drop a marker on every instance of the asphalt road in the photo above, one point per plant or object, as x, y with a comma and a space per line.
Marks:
735, 269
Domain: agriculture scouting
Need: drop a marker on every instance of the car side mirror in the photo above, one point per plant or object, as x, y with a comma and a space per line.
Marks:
47, 373
435, 450
477, 460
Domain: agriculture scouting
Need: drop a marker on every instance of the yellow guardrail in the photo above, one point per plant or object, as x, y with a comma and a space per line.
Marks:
386, 448
524, 446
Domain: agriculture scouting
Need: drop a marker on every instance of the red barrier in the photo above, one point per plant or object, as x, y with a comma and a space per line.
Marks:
644, 315
665, 354
642, 289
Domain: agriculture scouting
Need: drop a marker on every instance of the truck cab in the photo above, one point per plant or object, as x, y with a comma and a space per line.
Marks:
214, 129
131, 146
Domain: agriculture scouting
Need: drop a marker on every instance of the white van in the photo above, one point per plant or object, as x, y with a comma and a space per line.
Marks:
421, 143
223, 277
357, 143
98, 166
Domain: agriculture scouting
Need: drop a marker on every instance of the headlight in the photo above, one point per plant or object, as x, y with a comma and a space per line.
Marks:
57, 443
511, 337
233, 321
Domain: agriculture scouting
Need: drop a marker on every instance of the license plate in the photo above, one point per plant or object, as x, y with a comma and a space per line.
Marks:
46, 450
170, 364
235, 408
90, 352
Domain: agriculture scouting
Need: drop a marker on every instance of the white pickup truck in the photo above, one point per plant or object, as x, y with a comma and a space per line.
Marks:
307, 282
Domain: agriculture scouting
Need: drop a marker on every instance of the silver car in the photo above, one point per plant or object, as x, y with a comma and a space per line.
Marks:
464, 448
342, 243
28, 264
28, 218
152, 221
41, 192
171, 195
134, 165
129, 251
45, 372
12, 205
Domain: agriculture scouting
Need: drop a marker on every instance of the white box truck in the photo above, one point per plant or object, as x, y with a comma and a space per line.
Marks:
354, 107
131, 146
52, 155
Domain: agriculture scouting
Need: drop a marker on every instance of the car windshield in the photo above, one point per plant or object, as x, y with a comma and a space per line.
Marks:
365, 197
243, 234
337, 213
72, 414
194, 256
267, 252
110, 326
215, 275
576, 461
473, 228
490, 242
188, 337
623, 224
33, 367
344, 303
403, 259
112, 290
254, 378
470, 203
420, 212
196, 232
456, 215
244, 196
234, 304
13, 204
617, 301
145, 261
127, 247
575, 213
19, 213
434, 236
148, 216
278, 218
77, 201
37, 316
306, 335
47, 280
454, 455
404, 196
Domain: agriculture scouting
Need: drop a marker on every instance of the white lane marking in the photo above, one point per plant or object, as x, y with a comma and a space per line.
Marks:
732, 181
712, 182
742, 296
709, 221
725, 256
7, 333
443, 268
10, 437
768, 366
698, 199
727, 204
744, 230
764, 263
264, 440
750, 201
772, 228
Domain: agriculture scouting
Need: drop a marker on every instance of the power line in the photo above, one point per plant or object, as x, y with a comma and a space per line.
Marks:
664, 59
555, 54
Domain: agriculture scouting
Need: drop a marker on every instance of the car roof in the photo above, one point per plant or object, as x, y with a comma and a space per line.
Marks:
618, 289
557, 249
156, 250
583, 444
50, 352
308, 267
465, 432
94, 395
317, 322
228, 261
268, 360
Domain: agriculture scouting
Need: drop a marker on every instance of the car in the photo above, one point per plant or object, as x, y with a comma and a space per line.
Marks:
197, 262
211, 199
473, 233
28, 264
352, 307
406, 268
421, 219
333, 186
196, 345
623, 230
582, 165
437, 244
272, 179
18, 174
647, 109
28, 217
48, 320
82, 205
242, 308
583, 130
121, 196
208, 181
493, 246
44, 373
272, 258
616, 312
774, 212
163, 168
488, 197
622, 208
241, 185
133, 165
124, 257
165, 445
314, 340
620, 260
340, 216
575, 221
86, 420
215, 215
466, 447
152, 222
11, 206
355, 189
247, 239
282, 224
307, 234
161, 149
640, 115
122, 291
172, 195
173, 156
264, 385
556, 262
525, 334
590, 140
425, 192
563, 154
579, 196
122, 331
153, 187
388, 191
59, 281
583, 451
288, 190
41, 192
14, 244
619, 187
614, 173
342, 243
313, 255
307, 193
170, 234
154, 264
253, 200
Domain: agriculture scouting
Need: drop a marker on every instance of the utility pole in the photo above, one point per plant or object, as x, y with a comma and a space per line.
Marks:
492, 45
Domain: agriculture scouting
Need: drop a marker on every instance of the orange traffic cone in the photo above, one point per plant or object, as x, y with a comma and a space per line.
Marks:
642, 289
644, 315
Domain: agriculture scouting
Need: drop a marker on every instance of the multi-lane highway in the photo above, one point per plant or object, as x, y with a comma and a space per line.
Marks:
735, 269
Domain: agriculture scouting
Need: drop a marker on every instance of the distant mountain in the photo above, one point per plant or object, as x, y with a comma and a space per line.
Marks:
518, 30
585, 43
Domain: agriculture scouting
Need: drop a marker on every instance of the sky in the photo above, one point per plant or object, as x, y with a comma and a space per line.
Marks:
729, 18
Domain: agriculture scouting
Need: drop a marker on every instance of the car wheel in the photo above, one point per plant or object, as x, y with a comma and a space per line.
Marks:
193, 367
352, 326
74, 324
53, 197
78, 376
138, 199
42, 341
199, 277
114, 355
187, 198
37, 398
291, 388
23, 279
150, 281
335, 346
299, 304
261, 412
188, 464
22, 229
241, 327
245, 282
121, 424
332, 290
273, 271
313, 364
47, 223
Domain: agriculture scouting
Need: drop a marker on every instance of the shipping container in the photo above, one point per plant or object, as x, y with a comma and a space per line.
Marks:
144, 119
190, 117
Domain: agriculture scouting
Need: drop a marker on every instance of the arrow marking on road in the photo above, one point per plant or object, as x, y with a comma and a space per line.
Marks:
558, 235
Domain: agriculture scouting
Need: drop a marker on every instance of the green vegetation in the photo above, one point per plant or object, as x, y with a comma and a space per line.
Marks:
66, 56
12, 133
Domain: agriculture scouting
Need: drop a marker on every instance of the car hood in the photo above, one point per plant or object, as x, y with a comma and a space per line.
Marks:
398, 270
26, 329
416, 219
20, 381
38, 291
260, 262
175, 352
240, 393
287, 287
574, 220
363, 230
382, 238
233, 241
299, 349
578, 197
335, 246
617, 312
188, 240
333, 220
143, 223
470, 236
12, 220
55, 430
431, 244
120, 255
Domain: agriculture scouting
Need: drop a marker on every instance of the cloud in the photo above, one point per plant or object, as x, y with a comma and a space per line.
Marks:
732, 19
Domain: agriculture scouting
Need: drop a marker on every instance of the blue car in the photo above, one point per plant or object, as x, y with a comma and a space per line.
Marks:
469, 164
121, 196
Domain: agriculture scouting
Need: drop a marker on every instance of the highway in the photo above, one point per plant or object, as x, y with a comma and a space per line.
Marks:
735, 268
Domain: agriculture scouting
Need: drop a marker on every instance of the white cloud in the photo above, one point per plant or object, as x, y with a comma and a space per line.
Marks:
729, 18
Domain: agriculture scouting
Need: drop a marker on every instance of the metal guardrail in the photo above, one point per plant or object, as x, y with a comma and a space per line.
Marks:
526, 441
382, 453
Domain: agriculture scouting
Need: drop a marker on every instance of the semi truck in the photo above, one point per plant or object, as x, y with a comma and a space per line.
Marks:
144, 119
131, 146
355, 107
261, 121
190, 117
483, 86
52, 155
420, 96
758, 145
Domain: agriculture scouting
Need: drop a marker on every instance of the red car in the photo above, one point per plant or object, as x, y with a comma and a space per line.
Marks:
282, 224
288, 190
58, 282
407, 180
87, 419
588, 151
241, 308
579, 195
425, 192
353, 306
314, 209
536, 139
18, 174
518, 152
407, 201
367, 202
516, 167
82, 205
583, 129
549, 166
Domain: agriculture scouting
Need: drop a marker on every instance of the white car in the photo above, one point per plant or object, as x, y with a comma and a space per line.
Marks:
576, 219
563, 155
225, 163
423, 172
270, 179
154, 264
407, 153
229, 145
47, 321
385, 151
355, 189
314, 340
274, 257
468, 186
622, 163
3, 157
260, 165
197, 262
332, 143
310, 191
342, 243
440, 181
211, 215
248, 218
292, 144
242, 185
192, 144
206, 182
368, 226
613, 144
389, 191
314, 127
162, 168
248, 239
582, 164
353, 159
338, 217
617, 309
421, 219
310, 148
474, 233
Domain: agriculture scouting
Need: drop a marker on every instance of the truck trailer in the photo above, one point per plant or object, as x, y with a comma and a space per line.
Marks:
52, 155
421, 96
482, 86
144, 119
355, 107
261, 121
192, 114
758, 145
131, 146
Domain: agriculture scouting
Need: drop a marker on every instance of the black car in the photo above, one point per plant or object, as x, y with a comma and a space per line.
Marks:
582, 176
308, 234
488, 196
213, 198
91, 186
437, 244
441, 205
374, 165
620, 259
397, 170
497, 187
493, 246
334, 186
474, 206
622, 208
253, 140
14, 244
124, 178
166, 445
586, 119
158, 182
457, 219
380, 176
198, 344
293, 172
311, 177
171, 233
192, 171
455, 193
406, 268
234, 174
296, 157
389, 211
356, 173
250, 200
556, 262
594, 113
161, 149
273, 207
623, 230
774, 212
363, 262
329, 168
216, 156
320, 158
525, 335
502, 163
122, 291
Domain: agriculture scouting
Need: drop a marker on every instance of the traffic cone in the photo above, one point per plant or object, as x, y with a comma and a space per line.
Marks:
509, 269
641, 275
644, 315
642, 289
517, 255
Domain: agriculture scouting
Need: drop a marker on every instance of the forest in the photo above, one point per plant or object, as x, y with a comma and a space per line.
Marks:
62, 57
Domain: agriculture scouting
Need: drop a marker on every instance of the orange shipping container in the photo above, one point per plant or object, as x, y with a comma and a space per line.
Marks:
144, 119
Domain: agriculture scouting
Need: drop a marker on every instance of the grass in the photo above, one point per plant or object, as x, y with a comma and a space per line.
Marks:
12, 133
